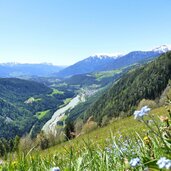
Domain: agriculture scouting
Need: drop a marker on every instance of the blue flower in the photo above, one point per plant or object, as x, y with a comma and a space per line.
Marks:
134, 162
138, 114
164, 163
108, 150
55, 169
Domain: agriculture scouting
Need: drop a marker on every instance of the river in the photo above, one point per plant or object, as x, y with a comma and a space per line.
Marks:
50, 125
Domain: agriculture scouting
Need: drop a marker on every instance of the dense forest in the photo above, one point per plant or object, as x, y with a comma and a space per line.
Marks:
146, 82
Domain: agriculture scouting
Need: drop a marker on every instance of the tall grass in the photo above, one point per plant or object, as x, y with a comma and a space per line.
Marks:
118, 153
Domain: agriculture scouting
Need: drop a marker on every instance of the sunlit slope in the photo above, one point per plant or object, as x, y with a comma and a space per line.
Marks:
147, 82
125, 127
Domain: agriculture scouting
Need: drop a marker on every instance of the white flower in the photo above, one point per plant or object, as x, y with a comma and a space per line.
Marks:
138, 114
134, 162
1, 162
108, 150
164, 163
55, 169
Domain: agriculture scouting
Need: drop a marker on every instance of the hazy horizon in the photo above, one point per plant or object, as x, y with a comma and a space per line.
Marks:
64, 65
65, 32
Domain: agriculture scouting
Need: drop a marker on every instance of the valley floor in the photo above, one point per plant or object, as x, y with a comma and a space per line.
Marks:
50, 126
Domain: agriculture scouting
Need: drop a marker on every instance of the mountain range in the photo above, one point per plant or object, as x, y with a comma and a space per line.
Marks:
27, 70
93, 63
106, 63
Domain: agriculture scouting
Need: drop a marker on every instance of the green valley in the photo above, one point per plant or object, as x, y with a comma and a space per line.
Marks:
84, 116
21, 102
85, 85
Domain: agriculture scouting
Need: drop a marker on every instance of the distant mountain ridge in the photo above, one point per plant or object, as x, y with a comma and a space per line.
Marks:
19, 70
105, 62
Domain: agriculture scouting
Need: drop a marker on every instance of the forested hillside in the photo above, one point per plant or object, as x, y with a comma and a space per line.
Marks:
98, 78
146, 82
26, 103
14, 89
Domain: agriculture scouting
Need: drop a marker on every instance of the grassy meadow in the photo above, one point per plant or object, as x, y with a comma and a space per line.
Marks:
125, 144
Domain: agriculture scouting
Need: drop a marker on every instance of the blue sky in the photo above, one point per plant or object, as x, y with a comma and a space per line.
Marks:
63, 32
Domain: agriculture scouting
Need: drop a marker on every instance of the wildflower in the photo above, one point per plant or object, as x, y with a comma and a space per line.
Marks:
100, 154
146, 139
138, 114
164, 163
108, 150
55, 169
134, 162
150, 122
146, 169
1, 162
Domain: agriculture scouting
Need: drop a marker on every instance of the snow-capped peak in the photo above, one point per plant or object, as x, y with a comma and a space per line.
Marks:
108, 55
104, 56
162, 49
